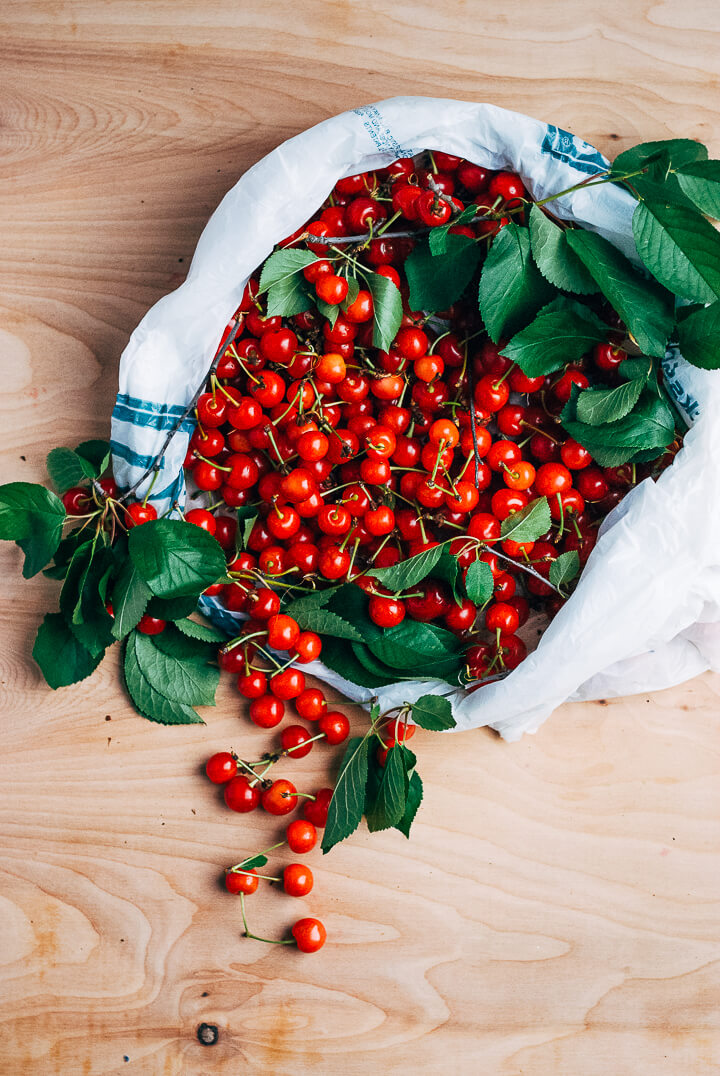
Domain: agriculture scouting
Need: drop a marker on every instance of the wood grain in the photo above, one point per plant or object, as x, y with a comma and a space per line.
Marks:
557, 910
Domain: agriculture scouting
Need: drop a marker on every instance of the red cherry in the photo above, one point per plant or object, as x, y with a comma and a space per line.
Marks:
460, 618
280, 798
316, 810
266, 712
508, 186
297, 880
136, 514
308, 647
592, 484
331, 289
310, 704
433, 602
386, 612
335, 726
301, 836
201, 518
283, 632
552, 478
309, 934
433, 210
490, 393
502, 617
241, 881
295, 740
361, 309
412, 342
287, 684
221, 767
607, 357
253, 685
240, 795
211, 409
77, 501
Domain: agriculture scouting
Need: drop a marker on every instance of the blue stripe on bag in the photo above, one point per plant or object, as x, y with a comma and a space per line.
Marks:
146, 414
133, 458
148, 405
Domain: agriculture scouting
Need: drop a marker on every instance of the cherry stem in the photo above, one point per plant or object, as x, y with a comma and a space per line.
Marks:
256, 937
253, 873
289, 750
473, 427
243, 865
246, 766
524, 568
543, 433
239, 640
150, 488
561, 528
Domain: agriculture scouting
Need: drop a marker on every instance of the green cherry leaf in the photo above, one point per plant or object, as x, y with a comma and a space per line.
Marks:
680, 248
646, 308
700, 181
413, 644
206, 633
407, 573
511, 288
33, 517
564, 568
130, 597
414, 799
175, 559
650, 426
352, 293
597, 405
328, 310
554, 258
68, 468
436, 281
675, 151
387, 310
563, 331
699, 337
147, 698
95, 452
339, 655
387, 805
288, 291
314, 617
283, 265
254, 861
479, 582
448, 569
433, 712
175, 672
289, 297
84, 593
529, 524
438, 237
62, 658
348, 800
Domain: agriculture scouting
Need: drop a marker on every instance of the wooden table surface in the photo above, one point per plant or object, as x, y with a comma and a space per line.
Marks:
556, 912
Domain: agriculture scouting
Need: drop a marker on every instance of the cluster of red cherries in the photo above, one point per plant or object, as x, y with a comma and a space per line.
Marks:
246, 788
356, 458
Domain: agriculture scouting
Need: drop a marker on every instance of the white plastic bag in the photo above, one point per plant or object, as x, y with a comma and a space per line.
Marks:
646, 612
